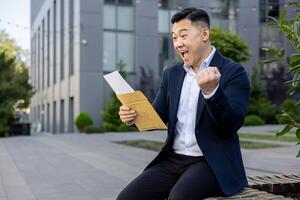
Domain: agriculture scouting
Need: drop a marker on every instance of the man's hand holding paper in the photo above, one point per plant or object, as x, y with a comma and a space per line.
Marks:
136, 107
127, 115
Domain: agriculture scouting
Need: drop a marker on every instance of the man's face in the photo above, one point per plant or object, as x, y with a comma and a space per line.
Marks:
190, 41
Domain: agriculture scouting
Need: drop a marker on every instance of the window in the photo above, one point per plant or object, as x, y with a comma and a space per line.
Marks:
43, 54
54, 118
263, 11
163, 21
109, 53
54, 42
62, 117
48, 49
126, 50
71, 115
125, 18
62, 40
39, 59
48, 118
71, 38
167, 8
109, 17
273, 8
118, 40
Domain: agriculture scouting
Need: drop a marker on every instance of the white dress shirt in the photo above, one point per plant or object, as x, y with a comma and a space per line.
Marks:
185, 139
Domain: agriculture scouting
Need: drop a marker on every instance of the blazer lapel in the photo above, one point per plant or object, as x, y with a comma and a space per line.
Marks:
217, 61
176, 82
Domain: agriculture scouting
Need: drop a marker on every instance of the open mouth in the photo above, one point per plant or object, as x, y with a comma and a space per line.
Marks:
183, 53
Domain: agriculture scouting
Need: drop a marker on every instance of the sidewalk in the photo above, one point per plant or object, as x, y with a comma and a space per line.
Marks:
91, 167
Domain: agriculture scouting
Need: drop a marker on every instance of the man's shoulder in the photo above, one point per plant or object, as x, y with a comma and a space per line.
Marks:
231, 65
174, 67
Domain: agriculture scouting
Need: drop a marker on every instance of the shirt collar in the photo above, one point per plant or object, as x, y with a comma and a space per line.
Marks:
205, 63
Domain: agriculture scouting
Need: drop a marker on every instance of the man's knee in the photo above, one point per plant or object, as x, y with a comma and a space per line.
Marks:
124, 195
129, 193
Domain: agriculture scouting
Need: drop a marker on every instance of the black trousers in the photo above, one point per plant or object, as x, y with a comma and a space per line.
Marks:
178, 177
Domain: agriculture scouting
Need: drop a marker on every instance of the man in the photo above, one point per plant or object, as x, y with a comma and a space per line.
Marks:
204, 102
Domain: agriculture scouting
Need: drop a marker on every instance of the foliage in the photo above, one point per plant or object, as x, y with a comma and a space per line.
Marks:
253, 120
291, 30
15, 91
259, 104
82, 121
230, 45
93, 129
11, 49
289, 106
110, 115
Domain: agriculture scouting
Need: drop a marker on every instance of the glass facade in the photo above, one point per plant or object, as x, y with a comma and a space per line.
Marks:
166, 9
118, 34
224, 14
269, 37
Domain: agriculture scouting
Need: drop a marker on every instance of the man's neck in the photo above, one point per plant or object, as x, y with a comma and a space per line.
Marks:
206, 53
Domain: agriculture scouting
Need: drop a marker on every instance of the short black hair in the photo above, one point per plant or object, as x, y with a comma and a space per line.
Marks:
193, 14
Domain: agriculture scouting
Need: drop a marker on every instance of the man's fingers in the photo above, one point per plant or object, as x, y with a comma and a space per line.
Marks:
124, 108
128, 118
130, 112
126, 114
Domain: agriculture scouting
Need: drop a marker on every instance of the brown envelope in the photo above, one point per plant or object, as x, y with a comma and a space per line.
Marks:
147, 118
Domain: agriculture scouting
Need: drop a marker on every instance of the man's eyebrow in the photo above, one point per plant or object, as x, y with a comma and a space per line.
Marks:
184, 29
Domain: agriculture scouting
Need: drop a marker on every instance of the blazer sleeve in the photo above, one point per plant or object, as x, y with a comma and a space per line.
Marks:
160, 102
228, 106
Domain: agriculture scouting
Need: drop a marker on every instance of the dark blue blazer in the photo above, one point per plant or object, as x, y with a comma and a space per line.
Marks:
217, 122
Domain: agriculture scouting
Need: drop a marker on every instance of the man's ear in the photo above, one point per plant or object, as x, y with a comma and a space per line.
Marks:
205, 34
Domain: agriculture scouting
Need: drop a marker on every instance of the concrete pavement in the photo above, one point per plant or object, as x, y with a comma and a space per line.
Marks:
91, 167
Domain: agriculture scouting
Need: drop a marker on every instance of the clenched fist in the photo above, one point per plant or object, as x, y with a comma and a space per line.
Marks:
208, 79
127, 115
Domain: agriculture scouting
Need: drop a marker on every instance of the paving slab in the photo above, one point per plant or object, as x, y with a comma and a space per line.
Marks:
93, 167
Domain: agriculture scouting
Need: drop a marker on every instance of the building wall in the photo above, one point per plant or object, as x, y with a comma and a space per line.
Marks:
67, 56
55, 85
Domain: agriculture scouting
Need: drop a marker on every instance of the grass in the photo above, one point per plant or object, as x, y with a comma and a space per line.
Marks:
291, 132
156, 146
268, 137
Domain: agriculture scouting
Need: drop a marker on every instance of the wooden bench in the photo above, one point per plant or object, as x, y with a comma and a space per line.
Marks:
276, 184
251, 194
268, 187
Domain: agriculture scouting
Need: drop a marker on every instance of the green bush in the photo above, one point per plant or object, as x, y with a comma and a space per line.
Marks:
82, 121
111, 119
124, 128
259, 103
93, 129
264, 109
230, 45
110, 115
253, 120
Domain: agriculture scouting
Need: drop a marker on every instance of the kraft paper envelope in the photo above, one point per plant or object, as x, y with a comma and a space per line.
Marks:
147, 118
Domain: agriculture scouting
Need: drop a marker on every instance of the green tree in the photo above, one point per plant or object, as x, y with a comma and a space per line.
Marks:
259, 104
15, 89
230, 45
110, 115
291, 30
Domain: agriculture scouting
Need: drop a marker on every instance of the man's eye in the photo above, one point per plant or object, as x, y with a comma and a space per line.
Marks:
183, 36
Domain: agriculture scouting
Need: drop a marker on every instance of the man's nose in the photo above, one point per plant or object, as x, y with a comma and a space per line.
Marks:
178, 43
